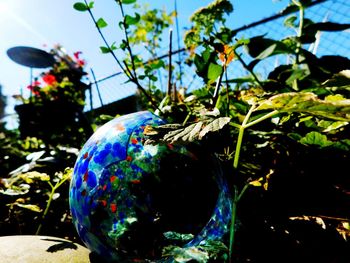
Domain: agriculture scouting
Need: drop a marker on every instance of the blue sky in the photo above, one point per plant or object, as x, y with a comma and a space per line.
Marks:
43, 23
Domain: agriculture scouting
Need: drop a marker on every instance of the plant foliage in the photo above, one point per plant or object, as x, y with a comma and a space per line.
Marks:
282, 139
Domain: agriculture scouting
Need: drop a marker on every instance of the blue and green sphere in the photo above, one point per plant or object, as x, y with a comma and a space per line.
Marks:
125, 194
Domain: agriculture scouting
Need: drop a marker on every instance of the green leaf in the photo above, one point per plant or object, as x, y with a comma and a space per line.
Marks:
326, 26
316, 138
174, 236
264, 54
204, 19
105, 50
79, 6
127, 2
214, 71
215, 125
290, 43
187, 254
106, 117
335, 126
206, 55
290, 21
291, 8
187, 134
241, 80
91, 4
130, 20
260, 48
157, 64
342, 145
310, 30
152, 77
176, 133
342, 79
113, 46
33, 208
225, 35
101, 23
297, 74
257, 45
267, 52
123, 45
335, 97
29, 177
216, 249
308, 102
16, 190
332, 63
199, 62
294, 136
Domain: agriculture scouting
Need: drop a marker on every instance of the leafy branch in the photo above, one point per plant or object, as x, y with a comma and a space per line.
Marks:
61, 179
100, 23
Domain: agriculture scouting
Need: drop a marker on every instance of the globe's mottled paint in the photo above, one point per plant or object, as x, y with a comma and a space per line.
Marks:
112, 198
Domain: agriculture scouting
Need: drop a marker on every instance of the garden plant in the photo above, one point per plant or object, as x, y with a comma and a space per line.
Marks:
282, 139
56, 102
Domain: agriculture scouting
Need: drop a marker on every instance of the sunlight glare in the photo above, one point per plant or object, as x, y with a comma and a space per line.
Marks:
3, 7
8, 11
6, 8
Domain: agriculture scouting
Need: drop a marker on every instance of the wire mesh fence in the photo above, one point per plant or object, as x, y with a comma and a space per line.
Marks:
328, 43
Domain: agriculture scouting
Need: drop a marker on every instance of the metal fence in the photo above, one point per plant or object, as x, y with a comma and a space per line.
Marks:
112, 88
330, 43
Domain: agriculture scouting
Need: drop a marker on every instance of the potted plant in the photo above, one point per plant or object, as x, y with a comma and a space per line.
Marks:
56, 101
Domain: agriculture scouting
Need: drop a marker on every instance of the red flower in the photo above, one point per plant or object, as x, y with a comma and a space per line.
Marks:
76, 54
80, 62
49, 79
34, 87
36, 83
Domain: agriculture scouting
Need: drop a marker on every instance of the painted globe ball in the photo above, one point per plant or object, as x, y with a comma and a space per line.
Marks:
125, 195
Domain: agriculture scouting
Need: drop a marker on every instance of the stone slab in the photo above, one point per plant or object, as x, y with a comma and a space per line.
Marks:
41, 249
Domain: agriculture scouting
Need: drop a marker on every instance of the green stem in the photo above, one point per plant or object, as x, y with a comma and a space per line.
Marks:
227, 95
187, 118
247, 68
300, 29
170, 64
240, 137
178, 40
126, 70
247, 125
233, 222
127, 40
236, 198
269, 115
217, 87
133, 74
242, 192
300, 33
104, 39
53, 190
46, 210
238, 147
